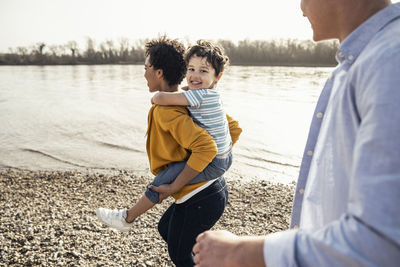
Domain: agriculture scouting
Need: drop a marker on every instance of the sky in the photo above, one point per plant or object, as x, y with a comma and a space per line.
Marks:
55, 22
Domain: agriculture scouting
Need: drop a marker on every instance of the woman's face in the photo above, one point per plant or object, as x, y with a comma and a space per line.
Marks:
150, 76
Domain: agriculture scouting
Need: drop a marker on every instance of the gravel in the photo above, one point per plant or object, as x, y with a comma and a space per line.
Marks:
47, 217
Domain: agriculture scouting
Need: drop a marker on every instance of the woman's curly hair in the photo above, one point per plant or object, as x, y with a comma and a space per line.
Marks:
214, 53
167, 54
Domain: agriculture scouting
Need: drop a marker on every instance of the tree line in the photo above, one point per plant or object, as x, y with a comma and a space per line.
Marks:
284, 52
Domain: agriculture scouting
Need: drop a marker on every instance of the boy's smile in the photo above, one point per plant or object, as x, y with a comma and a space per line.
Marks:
200, 74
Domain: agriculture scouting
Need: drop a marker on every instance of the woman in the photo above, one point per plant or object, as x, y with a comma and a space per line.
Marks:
172, 136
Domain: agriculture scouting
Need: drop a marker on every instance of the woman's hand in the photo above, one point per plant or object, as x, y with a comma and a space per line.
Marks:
164, 191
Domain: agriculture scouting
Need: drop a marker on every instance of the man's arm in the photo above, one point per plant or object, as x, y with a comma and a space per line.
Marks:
169, 99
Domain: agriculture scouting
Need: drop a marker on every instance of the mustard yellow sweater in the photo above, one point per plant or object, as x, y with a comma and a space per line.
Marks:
173, 136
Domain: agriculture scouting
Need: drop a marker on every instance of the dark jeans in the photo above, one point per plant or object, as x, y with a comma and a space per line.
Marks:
182, 223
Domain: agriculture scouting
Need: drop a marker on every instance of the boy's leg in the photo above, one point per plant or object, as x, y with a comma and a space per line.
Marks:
150, 197
122, 219
216, 168
166, 176
143, 205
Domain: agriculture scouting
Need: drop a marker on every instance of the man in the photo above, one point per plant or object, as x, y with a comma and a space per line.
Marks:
347, 201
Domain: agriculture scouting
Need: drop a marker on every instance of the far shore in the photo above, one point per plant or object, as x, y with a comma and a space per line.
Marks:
246, 64
48, 217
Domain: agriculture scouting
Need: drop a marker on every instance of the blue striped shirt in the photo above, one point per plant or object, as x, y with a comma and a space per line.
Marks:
205, 107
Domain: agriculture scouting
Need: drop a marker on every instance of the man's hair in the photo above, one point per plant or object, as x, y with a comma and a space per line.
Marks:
167, 55
214, 53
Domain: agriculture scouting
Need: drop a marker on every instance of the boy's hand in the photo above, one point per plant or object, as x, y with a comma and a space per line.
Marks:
164, 191
154, 98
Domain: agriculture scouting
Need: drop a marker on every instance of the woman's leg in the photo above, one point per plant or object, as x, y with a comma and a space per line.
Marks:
182, 223
163, 224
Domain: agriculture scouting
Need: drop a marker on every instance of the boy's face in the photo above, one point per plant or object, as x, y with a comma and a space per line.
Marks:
200, 74
150, 76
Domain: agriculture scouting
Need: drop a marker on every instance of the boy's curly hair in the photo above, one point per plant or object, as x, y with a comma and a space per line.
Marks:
214, 53
167, 54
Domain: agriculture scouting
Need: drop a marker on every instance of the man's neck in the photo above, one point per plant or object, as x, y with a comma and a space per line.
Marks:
358, 13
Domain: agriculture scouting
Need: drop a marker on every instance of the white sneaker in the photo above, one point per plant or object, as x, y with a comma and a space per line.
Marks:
114, 219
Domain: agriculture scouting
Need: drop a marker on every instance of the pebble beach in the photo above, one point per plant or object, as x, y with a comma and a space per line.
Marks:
48, 217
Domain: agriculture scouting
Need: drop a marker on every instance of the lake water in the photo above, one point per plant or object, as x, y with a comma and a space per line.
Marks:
72, 117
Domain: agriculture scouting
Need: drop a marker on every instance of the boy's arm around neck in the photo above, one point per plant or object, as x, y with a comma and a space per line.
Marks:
170, 99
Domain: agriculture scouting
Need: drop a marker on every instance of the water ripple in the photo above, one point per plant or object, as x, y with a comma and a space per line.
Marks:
265, 160
51, 156
119, 147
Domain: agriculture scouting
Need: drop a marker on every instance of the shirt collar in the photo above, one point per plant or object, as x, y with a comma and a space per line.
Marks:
352, 46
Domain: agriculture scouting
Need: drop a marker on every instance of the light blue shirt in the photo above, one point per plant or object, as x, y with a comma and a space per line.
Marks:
347, 201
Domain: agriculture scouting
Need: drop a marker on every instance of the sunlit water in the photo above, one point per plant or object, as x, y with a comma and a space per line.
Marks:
72, 117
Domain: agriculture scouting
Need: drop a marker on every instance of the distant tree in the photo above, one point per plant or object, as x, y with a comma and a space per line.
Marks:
245, 52
39, 48
110, 51
123, 49
90, 53
73, 47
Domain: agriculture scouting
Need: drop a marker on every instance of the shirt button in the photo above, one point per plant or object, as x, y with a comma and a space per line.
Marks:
341, 55
351, 57
319, 115
301, 191
296, 227
309, 153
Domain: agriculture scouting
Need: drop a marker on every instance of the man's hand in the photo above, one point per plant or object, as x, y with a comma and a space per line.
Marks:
224, 249
164, 191
214, 248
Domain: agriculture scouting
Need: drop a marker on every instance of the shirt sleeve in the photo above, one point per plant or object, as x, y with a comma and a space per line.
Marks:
195, 97
234, 129
346, 242
279, 249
